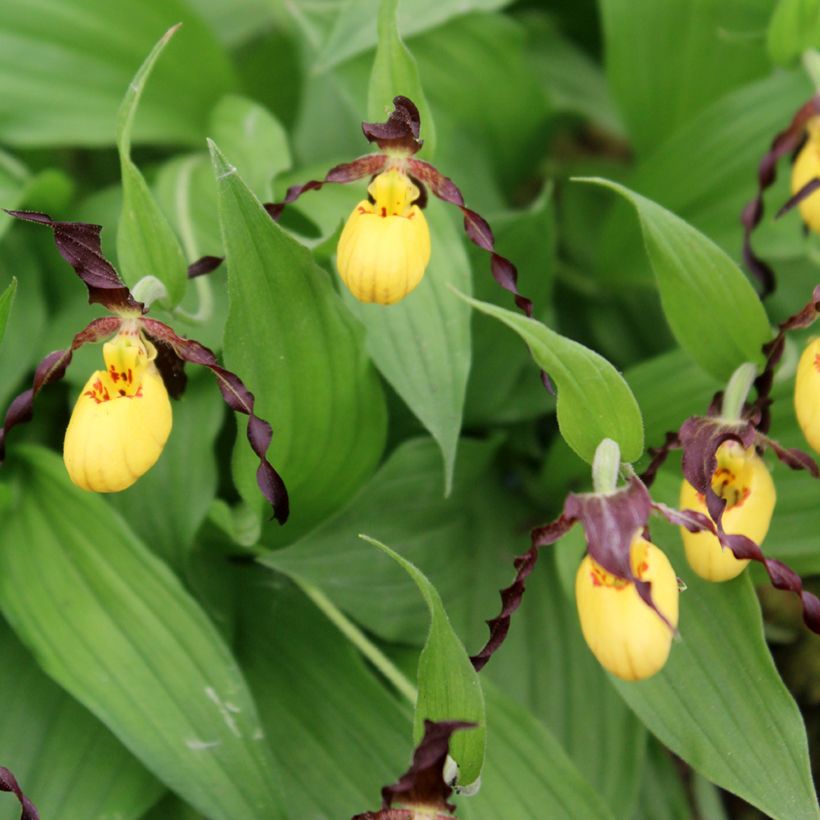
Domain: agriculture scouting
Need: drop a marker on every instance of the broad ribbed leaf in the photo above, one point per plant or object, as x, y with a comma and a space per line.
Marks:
146, 244
653, 74
71, 766
448, 686
64, 66
594, 402
183, 482
421, 345
111, 624
719, 702
710, 305
396, 73
299, 350
6, 301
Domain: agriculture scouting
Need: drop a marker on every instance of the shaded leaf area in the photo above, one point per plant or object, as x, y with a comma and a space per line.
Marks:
146, 243
6, 301
155, 671
721, 673
68, 762
794, 27
710, 305
705, 172
15, 179
422, 344
663, 795
463, 544
64, 68
448, 686
546, 667
654, 103
336, 733
312, 379
183, 483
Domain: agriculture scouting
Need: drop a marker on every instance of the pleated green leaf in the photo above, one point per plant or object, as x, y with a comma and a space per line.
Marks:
594, 401
64, 66
146, 243
710, 305
719, 703
70, 765
6, 301
448, 686
421, 345
299, 350
109, 622
395, 72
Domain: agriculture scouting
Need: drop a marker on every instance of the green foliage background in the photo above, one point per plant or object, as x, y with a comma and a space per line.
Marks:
169, 652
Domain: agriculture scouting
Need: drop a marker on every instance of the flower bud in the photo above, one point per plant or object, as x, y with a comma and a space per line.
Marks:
121, 420
742, 479
385, 246
807, 394
627, 637
805, 168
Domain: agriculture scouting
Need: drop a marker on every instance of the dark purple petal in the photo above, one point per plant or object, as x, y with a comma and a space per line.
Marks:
346, 172
51, 369
171, 368
792, 457
511, 596
203, 265
784, 143
692, 520
807, 190
79, 244
806, 316
658, 456
8, 783
400, 131
240, 400
423, 784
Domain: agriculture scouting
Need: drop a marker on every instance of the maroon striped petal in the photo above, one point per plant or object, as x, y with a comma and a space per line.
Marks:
51, 369
79, 244
240, 400
8, 783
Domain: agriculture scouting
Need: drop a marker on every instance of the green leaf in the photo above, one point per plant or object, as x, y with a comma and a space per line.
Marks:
14, 180
70, 765
594, 402
719, 703
293, 342
110, 623
794, 27
6, 301
395, 72
663, 796
448, 685
710, 305
63, 68
643, 33
339, 735
422, 344
183, 482
146, 243
254, 140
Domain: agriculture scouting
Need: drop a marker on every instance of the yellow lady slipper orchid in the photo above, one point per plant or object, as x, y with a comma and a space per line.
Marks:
121, 420
627, 637
743, 480
385, 246
807, 394
806, 168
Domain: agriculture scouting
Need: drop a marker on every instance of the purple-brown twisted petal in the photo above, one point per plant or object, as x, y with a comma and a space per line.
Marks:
240, 400
784, 143
346, 172
8, 783
401, 129
51, 369
658, 456
423, 784
79, 244
203, 265
807, 190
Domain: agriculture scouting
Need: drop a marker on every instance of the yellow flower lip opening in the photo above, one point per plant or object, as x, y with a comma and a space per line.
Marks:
121, 420
744, 481
625, 635
384, 248
805, 168
807, 394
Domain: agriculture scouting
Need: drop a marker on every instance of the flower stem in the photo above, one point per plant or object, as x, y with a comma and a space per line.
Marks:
605, 466
734, 397
355, 635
